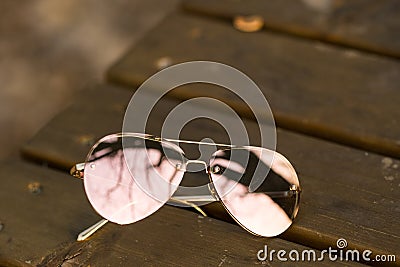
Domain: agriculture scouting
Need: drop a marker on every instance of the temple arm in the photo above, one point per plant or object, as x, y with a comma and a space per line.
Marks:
185, 200
91, 230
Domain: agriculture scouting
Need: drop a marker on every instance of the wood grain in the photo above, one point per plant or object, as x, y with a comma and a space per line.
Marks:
361, 24
172, 237
35, 224
40, 229
348, 193
335, 94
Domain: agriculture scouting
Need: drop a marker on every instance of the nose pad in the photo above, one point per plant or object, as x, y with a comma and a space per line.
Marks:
211, 186
180, 167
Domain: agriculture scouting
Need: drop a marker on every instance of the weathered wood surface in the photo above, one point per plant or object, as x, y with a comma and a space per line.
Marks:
337, 94
348, 193
40, 229
35, 224
369, 25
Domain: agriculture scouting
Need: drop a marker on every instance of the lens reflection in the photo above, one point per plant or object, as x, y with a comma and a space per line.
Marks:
117, 182
258, 187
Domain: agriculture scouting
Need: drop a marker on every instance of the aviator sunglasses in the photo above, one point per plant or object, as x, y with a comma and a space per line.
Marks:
129, 176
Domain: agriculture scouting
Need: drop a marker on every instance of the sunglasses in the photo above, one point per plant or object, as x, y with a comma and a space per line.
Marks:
129, 176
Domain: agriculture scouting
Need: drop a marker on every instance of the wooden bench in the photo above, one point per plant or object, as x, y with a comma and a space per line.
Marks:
320, 90
365, 25
54, 216
328, 204
336, 108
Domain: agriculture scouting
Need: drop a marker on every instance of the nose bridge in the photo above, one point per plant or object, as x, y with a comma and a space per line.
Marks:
196, 161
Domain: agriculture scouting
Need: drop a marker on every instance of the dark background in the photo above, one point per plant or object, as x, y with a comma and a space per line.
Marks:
49, 50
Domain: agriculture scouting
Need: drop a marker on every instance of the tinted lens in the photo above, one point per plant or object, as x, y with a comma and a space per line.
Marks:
257, 187
116, 179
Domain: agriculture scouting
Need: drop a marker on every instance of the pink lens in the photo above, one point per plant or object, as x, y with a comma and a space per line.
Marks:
258, 187
117, 181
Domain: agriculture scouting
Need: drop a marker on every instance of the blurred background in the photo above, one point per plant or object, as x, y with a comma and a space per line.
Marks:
49, 50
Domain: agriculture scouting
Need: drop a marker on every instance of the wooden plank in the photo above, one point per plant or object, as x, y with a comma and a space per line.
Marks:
348, 193
171, 238
33, 224
336, 94
362, 24
40, 229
